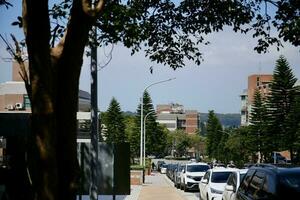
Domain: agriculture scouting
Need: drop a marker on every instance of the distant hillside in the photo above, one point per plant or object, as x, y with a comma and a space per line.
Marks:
227, 120
129, 113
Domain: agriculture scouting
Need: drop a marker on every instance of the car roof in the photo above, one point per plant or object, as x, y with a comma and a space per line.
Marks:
243, 171
198, 163
278, 169
223, 169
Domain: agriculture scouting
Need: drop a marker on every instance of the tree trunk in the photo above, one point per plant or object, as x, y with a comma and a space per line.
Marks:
54, 83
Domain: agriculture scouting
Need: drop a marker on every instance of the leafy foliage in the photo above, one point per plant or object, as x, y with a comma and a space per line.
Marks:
132, 135
237, 146
171, 32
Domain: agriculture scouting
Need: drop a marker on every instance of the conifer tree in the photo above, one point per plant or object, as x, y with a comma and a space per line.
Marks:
214, 135
257, 137
155, 136
280, 104
293, 136
114, 121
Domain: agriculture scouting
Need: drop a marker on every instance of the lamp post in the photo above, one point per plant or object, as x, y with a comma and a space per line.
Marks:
144, 150
142, 111
94, 119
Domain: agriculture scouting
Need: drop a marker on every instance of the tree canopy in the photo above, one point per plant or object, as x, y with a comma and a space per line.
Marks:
170, 32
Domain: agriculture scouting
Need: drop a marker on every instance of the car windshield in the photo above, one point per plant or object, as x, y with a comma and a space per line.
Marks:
220, 177
164, 166
197, 168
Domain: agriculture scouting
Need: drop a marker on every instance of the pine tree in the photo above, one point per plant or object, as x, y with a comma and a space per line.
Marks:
293, 136
280, 104
114, 122
214, 135
257, 137
155, 136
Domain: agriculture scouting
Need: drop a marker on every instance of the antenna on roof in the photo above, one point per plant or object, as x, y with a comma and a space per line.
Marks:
259, 68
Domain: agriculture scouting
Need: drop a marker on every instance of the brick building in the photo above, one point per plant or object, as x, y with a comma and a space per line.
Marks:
256, 81
174, 117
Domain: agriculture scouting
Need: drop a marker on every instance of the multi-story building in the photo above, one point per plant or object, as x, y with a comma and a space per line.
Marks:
174, 117
244, 108
259, 82
13, 94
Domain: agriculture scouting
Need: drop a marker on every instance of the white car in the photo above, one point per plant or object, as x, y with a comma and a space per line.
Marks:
163, 169
233, 184
213, 183
191, 175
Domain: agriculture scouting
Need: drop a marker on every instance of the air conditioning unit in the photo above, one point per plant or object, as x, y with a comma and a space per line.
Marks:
19, 106
10, 107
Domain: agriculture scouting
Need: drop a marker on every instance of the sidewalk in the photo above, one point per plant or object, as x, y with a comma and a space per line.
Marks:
157, 187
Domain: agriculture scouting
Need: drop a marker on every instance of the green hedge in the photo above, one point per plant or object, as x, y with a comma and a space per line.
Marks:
136, 167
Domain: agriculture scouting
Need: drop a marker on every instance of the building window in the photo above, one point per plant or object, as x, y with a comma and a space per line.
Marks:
168, 125
27, 104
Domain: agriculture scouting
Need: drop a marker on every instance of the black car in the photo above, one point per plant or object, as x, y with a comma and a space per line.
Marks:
270, 182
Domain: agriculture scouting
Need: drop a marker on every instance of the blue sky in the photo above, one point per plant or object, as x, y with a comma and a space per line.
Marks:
215, 84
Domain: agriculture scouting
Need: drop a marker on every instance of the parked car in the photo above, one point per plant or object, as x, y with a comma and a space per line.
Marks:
219, 165
163, 168
177, 175
212, 184
159, 164
170, 171
233, 184
270, 182
192, 174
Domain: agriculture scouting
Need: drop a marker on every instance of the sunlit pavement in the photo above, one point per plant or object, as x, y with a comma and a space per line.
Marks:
156, 187
134, 194
192, 195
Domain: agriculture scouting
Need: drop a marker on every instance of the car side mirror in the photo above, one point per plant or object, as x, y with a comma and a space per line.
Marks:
205, 181
229, 188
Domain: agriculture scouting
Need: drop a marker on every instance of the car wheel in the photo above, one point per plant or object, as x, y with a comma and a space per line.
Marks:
185, 188
207, 198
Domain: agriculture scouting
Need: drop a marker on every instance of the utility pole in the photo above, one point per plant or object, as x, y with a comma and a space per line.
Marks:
94, 117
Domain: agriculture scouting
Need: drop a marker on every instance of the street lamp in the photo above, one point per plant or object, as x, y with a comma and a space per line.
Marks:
142, 111
145, 118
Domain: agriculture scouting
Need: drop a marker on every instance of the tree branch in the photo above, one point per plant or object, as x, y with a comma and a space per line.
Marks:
272, 2
16, 54
23, 73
